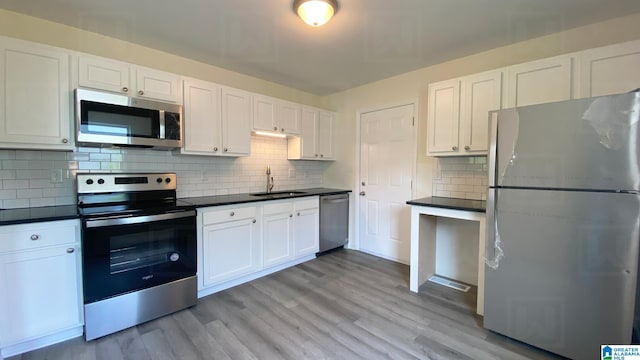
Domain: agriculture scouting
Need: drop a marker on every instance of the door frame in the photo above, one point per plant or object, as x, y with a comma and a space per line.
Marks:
414, 157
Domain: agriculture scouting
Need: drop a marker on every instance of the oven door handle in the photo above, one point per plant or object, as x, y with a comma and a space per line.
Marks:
127, 220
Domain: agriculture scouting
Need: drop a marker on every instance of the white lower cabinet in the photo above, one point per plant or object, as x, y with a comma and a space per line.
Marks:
238, 243
230, 244
40, 285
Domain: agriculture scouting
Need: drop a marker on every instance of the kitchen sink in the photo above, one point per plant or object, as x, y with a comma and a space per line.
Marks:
279, 193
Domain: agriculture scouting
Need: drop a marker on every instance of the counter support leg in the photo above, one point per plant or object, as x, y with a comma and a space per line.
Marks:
423, 248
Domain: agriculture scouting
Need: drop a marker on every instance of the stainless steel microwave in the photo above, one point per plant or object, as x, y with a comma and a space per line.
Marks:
107, 120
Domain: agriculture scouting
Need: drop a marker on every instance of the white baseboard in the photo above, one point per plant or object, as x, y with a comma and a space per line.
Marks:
40, 342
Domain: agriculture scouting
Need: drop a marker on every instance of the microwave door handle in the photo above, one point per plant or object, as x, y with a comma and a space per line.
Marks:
162, 124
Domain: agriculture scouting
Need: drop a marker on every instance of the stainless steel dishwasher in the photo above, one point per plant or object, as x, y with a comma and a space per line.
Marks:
334, 221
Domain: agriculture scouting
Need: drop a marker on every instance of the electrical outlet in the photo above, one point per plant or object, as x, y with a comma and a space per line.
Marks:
56, 176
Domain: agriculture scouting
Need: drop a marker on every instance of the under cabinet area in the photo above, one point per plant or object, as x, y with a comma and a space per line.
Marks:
120, 77
239, 243
36, 96
40, 285
217, 120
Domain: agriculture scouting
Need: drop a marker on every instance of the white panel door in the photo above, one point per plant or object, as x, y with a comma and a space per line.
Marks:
236, 122
609, 70
264, 113
538, 82
386, 162
201, 113
35, 95
443, 117
39, 293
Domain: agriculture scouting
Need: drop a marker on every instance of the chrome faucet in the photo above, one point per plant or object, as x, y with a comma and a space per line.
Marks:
269, 180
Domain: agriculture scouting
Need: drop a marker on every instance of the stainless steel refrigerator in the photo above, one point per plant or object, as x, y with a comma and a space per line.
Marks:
563, 220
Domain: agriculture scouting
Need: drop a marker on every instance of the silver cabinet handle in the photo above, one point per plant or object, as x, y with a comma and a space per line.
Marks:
275, 128
316, 155
35, 237
454, 148
64, 141
140, 92
282, 129
125, 89
215, 149
321, 155
225, 149
362, 193
298, 214
70, 250
467, 148
363, 183
253, 221
290, 215
232, 214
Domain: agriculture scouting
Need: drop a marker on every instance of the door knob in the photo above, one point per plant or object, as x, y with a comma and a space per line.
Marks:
362, 193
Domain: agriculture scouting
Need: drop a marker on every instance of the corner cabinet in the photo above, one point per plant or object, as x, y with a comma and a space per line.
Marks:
217, 120
36, 96
40, 285
457, 120
120, 77
316, 136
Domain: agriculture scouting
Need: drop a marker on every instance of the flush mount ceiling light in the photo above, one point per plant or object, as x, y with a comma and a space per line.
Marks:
315, 12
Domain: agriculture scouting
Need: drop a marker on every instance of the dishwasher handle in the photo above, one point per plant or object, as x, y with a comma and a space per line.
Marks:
335, 200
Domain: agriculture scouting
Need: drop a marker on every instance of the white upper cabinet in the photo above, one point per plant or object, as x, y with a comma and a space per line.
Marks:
609, 70
217, 120
36, 96
264, 113
316, 136
458, 114
479, 94
275, 115
443, 117
201, 115
116, 76
288, 116
236, 122
538, 82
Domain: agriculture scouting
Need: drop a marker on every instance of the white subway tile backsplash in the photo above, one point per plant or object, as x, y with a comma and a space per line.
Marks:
460, 177
26, 176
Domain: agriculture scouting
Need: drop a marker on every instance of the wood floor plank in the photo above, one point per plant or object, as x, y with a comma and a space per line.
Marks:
344, 305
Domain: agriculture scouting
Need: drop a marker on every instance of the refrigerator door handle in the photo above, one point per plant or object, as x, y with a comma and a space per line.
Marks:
493, 251
493, 141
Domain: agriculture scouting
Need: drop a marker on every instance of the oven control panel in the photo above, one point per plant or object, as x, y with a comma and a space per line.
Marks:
121, 182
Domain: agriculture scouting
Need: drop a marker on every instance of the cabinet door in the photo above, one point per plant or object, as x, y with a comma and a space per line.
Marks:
40, 293
307, 229
201, 123
104, 74
609, 70
230, 250
325, 135
277, 236
538, 82
288, 117
36, 96
264, 113
157, 85
443, 117
236, 122
308, 146
480, 94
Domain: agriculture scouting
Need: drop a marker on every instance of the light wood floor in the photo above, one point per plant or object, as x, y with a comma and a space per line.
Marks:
345, 305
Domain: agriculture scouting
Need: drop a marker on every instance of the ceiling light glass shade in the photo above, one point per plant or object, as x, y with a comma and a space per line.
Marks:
315, 12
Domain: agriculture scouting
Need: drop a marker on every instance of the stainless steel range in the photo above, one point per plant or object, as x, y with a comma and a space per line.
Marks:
139, 250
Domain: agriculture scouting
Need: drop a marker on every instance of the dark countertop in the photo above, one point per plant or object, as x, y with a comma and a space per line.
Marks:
65, 212
38, 214
219, 200
451, 203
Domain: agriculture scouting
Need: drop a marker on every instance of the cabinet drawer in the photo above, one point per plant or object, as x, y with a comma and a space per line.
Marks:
229, 214
312, 203
36, 235
277, 207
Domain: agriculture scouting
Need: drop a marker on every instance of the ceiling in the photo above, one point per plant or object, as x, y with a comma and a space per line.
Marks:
367, 40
